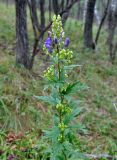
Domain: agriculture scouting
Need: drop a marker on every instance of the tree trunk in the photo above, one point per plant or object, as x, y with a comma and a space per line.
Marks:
34, 17
50, 10
22, 46
42, 14
112, 21
88, 35
78, 10
102, 22
112, 26
56, 6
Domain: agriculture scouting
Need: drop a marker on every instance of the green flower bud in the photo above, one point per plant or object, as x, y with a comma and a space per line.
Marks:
49, 73
59, 18
62, 126
61, 138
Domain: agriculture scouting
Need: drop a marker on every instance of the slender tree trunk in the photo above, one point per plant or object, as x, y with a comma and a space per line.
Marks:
34, 17
50, 9
88, 35
56, 6
78, 10
102, 22
112, 26
42, 14
112, 21
22, 46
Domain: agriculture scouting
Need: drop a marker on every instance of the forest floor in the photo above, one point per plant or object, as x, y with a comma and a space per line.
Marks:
21, 111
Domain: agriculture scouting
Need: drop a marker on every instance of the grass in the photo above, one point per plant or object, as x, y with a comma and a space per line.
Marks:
18, 86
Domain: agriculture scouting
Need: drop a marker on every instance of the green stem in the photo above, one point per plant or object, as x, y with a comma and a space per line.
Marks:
59, 77
61, 97
64, 155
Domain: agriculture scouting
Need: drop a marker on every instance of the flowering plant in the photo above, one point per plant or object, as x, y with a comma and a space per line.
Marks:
61, 89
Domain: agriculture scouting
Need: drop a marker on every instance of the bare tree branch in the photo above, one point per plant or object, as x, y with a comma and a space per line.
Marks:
34, 17
102, 21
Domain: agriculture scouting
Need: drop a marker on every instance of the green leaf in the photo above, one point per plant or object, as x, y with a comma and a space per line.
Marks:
71, 116
52, 133
80, 127
56, 84
75, 103
48, 99
73, 88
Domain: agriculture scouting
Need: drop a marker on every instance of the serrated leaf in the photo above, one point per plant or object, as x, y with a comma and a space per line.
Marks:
53, 133
55, 84
80, 127
73, 88
71, 116
75, 103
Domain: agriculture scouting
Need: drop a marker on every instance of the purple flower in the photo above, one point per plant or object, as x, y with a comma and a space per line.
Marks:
55, 40
67, 41
48, 44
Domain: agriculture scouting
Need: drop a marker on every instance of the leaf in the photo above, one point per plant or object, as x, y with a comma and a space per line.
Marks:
55, 84
75, 103
71, 116
52, 133
48, 99
80, 127
73, 88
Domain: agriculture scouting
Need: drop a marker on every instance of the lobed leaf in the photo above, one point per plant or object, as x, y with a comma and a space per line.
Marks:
73, 88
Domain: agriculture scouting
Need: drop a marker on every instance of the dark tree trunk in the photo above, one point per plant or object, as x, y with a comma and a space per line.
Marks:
22, 46
34, 17
102, 22
42, 14
79, 10
62, 5
88, 35
112, 22
67, 2
112, 27
56, 6
50, 9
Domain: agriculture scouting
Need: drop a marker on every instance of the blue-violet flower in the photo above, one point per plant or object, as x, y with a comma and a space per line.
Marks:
67, 41
48, 44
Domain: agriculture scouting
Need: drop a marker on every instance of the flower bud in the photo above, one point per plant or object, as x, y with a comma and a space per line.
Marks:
55, 40
67, 42
59, 17
49, 34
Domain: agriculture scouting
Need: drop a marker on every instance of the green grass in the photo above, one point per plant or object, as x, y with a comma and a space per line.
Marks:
18, 86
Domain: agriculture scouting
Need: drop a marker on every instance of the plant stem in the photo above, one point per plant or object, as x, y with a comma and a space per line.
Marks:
61, 97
